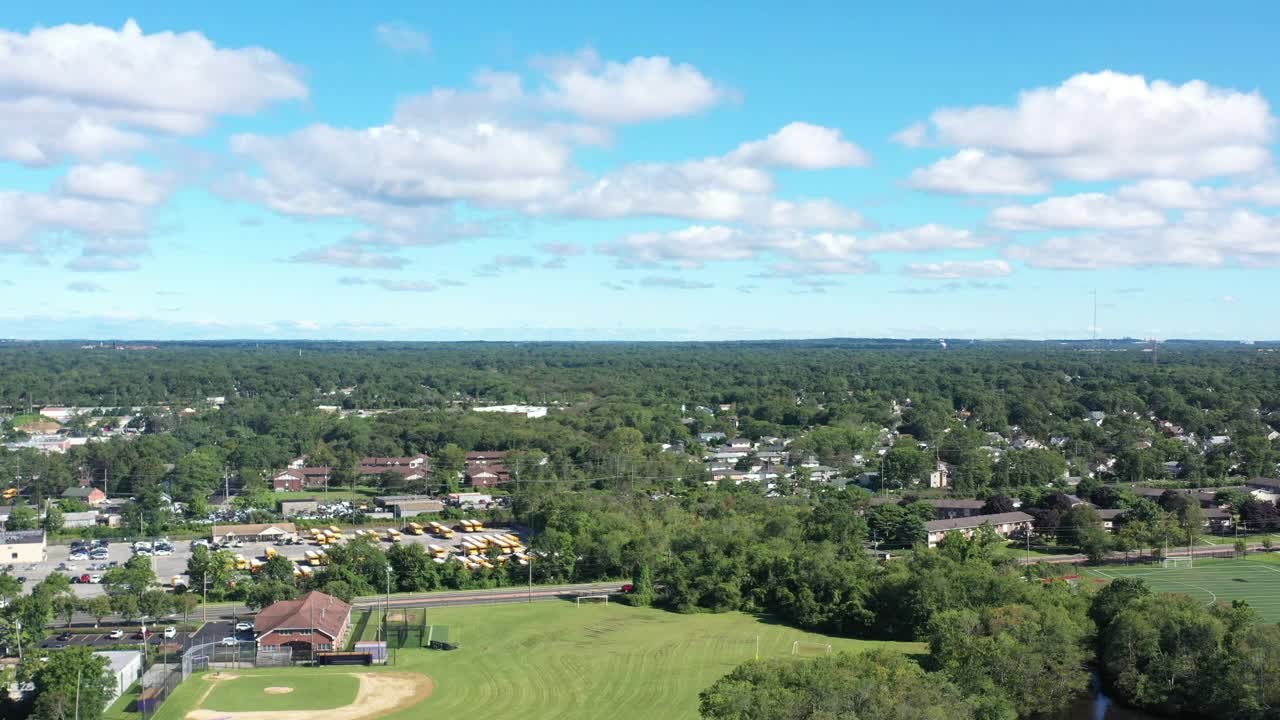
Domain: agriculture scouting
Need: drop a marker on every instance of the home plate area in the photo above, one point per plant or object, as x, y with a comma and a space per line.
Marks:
305, 694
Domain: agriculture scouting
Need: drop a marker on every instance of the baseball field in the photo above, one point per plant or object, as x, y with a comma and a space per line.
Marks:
533, 661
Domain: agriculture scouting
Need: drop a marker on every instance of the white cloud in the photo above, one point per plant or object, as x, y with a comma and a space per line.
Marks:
1199, 239
309, 325
974, 171
85, 287
87, 91
349, 257
116, 181
1183, 195
794, 252
953, 269
407, 286
26, 218
674, 283
914, 135
1086, 210
101, 263
639, 90
1109, 125
804, 146
1229, 299
403, 38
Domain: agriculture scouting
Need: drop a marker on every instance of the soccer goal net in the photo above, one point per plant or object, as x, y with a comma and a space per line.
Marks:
1176, 562
810, 649
589, 599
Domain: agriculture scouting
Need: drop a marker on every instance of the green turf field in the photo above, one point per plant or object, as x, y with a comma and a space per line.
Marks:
311, 691
554, 660
1255, 579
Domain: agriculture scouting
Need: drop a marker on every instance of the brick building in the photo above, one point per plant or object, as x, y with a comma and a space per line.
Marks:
314, 622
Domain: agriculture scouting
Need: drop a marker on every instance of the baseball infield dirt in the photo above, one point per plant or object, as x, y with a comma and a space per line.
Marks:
380, 693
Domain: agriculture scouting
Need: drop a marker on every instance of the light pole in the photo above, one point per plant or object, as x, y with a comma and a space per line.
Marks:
386, 617
18, 624
529, 563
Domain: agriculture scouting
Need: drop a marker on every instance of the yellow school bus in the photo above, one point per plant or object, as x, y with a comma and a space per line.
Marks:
10, 493
241, 562
415, 528
393, 535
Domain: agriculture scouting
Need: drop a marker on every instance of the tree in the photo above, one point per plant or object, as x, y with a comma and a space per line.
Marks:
265, 592
1155, 652
642, 588
1029, 467
412, 568
1084, 526
278, 568
211, 570
973, 472
132, 578
53, 519
98, 607
71, 683
65, 607
875, 685
154, 604
1019, 659
1115, 597
126, 606
903, 465
21, 517
997, 504
10, 588
186, 604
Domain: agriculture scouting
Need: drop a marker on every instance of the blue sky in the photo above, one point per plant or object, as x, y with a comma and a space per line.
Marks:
426, 171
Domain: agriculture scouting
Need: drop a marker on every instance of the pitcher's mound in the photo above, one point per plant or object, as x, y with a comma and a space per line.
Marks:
277, 690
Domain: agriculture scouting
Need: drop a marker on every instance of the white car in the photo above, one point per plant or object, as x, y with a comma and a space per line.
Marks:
100, 554
78, 556
230, 641
244, 626
170, 631
116, 634
163, 551
95, 578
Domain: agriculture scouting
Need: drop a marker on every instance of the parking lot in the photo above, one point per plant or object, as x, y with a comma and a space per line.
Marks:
167, 566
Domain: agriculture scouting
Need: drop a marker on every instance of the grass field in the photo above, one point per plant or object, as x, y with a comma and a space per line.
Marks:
1255, 578
310, 692
557, 660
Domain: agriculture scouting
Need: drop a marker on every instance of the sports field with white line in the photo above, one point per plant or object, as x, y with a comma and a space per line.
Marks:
1255, 579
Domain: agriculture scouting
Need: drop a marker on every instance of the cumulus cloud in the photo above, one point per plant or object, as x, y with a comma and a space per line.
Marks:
85, 287
26, 216
953, 269
1182, 195
562, 249
407, 286
1086, 210
101, 263
86, 91
913, 135
1109, 126
638, 90
403, 38
976, 172
795, 252
349, 256
804, 146
116, 181
674, 283
1198, 239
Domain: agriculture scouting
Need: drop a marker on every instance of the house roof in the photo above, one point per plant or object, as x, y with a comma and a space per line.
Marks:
1264, 482
21, 537
80, 492
118, 660
486, 455
976, 521
1110, 513
327, 614
253, 529
392, 460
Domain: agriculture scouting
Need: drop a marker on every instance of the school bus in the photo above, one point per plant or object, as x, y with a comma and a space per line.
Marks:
470, 548
255, 565
241, 562
393, 535
437, 551
271, 552
443, 531
482, 562
415, 528
323, 557
477, 526
313, 558
10, 493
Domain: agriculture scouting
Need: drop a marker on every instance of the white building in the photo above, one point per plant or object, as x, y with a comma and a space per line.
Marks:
529, 411
125, 667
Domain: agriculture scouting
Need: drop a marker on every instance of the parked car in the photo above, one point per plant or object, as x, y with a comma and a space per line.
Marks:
116, 634
230, 641
171, 631
82, 579
95, 578
243, 626
78, 556
64, 637
100, 554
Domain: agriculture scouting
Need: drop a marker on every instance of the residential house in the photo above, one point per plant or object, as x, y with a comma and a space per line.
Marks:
1111, 517
940, 476
706, 438
1004, 524
300, 479
823, 473
486, 457
1262, 488
486, 475
315, 622
92, 496
1217, 520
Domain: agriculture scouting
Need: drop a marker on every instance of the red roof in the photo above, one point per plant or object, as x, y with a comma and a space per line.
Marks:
325, 613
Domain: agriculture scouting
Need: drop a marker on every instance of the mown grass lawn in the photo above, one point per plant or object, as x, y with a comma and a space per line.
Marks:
311, 691
1254, 579
555, 660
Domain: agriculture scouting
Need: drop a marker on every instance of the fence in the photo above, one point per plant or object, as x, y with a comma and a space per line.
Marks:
216, 655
